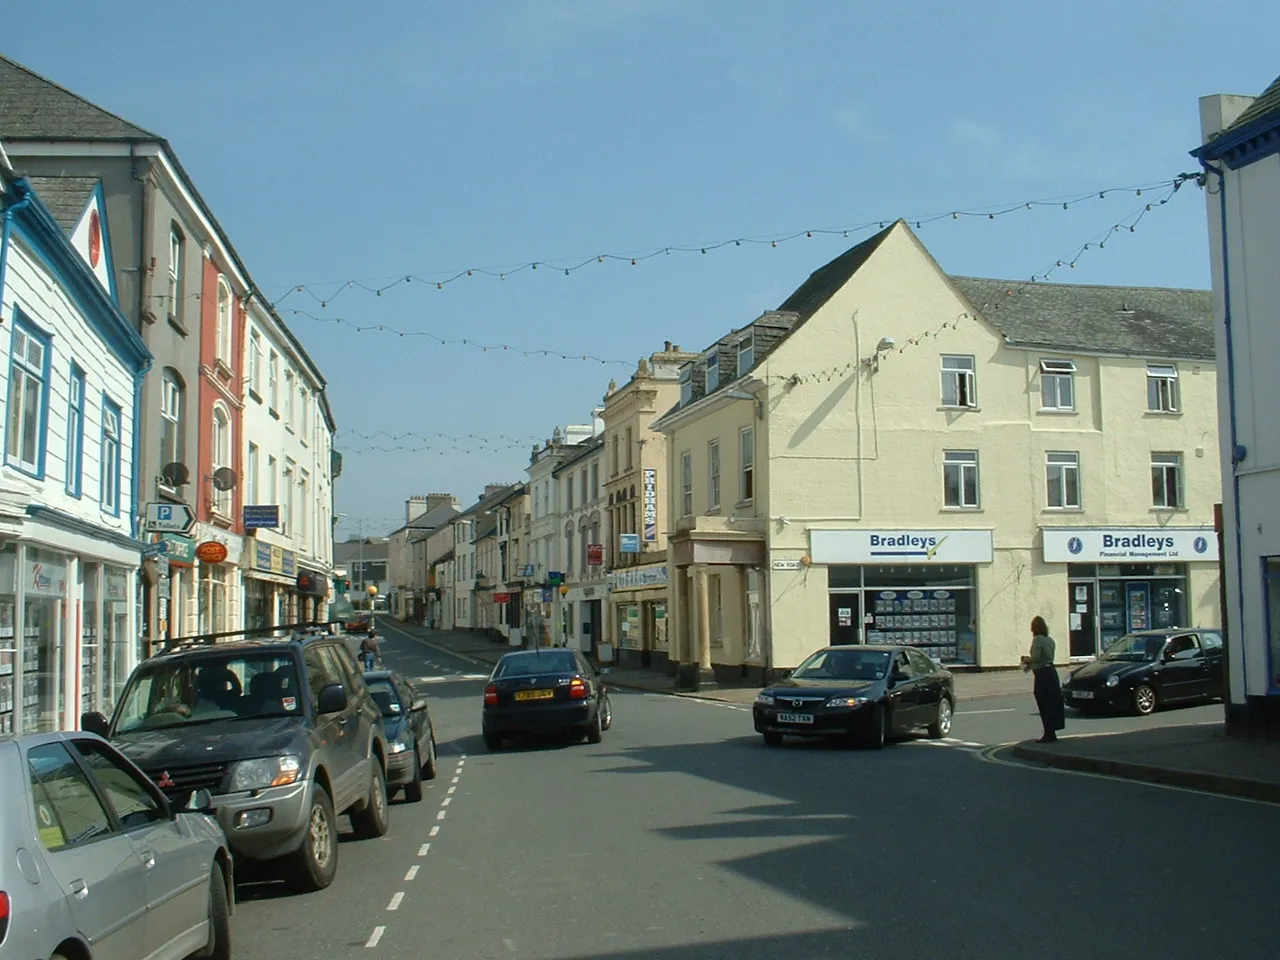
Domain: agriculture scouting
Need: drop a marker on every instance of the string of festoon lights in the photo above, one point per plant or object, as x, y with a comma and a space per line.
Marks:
1098, 242
324, 293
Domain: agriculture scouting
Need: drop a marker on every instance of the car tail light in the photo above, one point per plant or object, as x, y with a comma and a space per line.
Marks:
4, 915
577, 689
490, 695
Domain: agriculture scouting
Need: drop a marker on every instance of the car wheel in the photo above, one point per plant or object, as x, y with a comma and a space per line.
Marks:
317, 859
772, 738
429, 768
413, 789
877, 727
941, 727
607, 707
492, 742
1144, 699
218, 946
372, 820
595, 731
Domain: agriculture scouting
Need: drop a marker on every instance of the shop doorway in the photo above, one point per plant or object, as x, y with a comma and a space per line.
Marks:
846, 618
1083, 618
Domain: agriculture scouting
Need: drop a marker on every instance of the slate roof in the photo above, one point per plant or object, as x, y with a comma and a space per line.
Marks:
827, 279
66, 197
577, 452
1156, 322
1266, 106
431, 521
33, 107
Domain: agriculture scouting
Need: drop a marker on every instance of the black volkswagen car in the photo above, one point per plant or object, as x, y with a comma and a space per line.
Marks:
411, 739
867, 693
1141, 671
544, 691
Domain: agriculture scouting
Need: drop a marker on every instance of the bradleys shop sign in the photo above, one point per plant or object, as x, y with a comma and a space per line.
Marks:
900, 546
1129, 544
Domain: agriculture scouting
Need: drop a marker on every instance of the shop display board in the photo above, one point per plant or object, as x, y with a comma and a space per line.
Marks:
935, 621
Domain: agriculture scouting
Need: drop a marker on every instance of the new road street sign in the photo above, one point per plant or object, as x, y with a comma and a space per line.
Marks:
169, 518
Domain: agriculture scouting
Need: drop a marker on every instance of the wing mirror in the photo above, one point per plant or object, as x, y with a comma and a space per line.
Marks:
332, 699
95, 722
200, 801
605, 671
899, 675
418, 705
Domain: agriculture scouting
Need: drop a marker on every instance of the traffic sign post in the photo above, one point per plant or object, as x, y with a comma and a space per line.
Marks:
169, 518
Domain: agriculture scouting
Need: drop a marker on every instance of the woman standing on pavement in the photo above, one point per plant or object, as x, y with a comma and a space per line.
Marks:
1047, 686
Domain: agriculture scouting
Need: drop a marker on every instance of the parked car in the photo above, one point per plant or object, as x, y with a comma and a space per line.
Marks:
282, 732
544, 691
95, 861
359, 622
858, 692
411, 739
1143, 670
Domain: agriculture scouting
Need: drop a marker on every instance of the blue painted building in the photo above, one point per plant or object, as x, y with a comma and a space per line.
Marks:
71, 375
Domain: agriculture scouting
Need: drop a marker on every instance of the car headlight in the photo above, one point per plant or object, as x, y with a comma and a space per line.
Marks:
265, 772
846, 702
397, 746
764, 699
1113, 681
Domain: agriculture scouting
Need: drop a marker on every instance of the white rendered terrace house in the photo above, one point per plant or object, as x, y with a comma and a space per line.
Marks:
289, 464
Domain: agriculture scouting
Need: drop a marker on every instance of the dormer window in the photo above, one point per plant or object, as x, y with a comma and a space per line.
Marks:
712, 366
746, 354
686, 396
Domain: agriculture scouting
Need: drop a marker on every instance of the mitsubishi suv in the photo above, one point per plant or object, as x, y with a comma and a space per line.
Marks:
282, 732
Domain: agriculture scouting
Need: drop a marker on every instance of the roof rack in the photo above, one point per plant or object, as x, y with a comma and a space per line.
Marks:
286, 631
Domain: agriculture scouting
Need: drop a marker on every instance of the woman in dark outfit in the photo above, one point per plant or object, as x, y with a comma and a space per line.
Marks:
1047, 687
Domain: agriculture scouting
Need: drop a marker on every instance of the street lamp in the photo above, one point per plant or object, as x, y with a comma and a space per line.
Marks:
373, 592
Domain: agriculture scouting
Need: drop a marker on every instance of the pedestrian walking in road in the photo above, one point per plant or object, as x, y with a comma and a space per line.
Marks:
369, 650
1047, 686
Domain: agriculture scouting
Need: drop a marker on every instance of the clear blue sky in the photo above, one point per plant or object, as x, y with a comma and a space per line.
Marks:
339, 141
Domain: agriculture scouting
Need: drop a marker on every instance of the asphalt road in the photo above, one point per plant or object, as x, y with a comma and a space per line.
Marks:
681, 836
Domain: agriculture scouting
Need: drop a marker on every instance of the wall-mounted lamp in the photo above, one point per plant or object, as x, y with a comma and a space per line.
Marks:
884, 346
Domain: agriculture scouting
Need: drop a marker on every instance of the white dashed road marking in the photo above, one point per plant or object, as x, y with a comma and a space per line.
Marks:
434, 831
440, 814
452, 789
375, 936
413, 872
422, 850
446, 801
395, 901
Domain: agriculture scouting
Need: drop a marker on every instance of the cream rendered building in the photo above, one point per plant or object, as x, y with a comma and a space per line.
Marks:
899, 456
635, 466
584, 528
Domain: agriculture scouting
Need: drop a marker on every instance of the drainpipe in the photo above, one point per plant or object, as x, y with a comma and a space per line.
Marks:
1238, 453
24, 188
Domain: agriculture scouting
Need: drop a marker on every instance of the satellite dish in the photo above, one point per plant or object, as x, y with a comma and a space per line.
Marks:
224, 478
175, 474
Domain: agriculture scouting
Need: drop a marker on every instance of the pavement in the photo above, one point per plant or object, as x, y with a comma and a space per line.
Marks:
683, 837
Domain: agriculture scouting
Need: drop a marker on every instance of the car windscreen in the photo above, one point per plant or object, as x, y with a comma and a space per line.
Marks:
178, 692
1135, 647
385, 696
536, 664
844, 665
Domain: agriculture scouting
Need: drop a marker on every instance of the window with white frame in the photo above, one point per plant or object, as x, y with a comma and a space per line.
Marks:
273, 481
75, 431
713, 475
1162, 388
176, 243
959, 382
1166, 480
686, 484
286, 512
255, 364
28, 396
251, 475
289, 392
1057, 385
711, 365
221, 457
225, 321
568, 549
746, 353
172, 414
306, 414
686, 396
960, 478
110, 457
304, 518
595, 481
273, 380
586, 489
631, 449
747, 443
1062, 477
568, 492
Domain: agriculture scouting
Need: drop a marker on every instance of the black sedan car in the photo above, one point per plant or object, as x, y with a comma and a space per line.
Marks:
411, 740
544, 691
867, 693
1143, 670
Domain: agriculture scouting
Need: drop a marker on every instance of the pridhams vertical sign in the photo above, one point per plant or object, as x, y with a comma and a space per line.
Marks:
650, 504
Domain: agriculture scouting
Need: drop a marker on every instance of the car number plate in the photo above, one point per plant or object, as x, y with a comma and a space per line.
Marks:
535, 694
795, 718
1082, 694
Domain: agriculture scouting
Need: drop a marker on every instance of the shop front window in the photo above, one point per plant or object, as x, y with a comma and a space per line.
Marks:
43, 644
117, 642
213, 597
1272, 573
259, 604
90, 661
927, 606
8, 639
